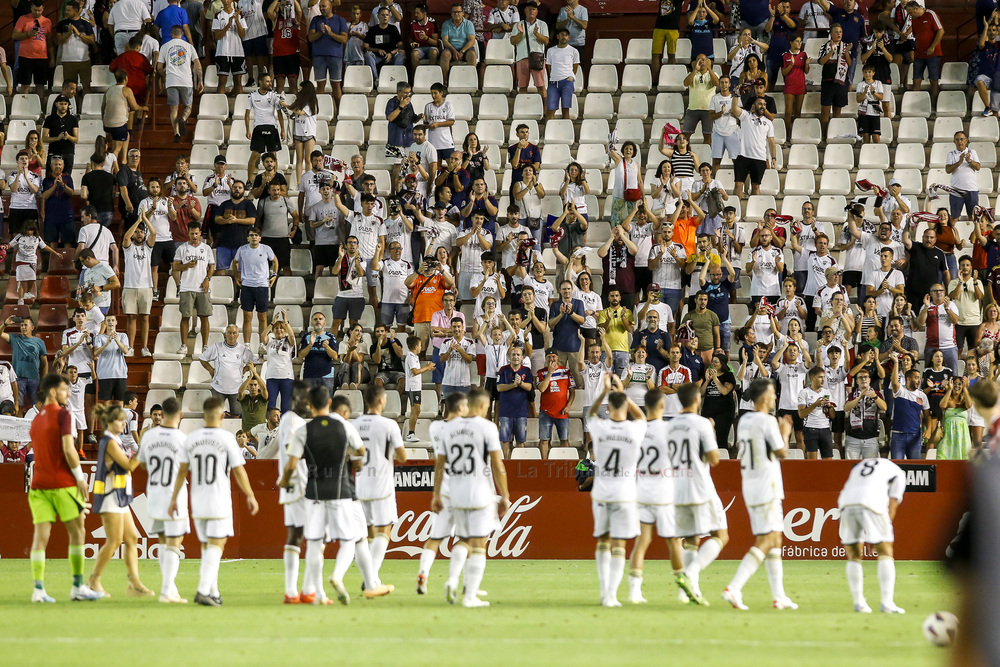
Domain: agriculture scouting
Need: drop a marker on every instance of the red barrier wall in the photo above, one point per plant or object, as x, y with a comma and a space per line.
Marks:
549, 517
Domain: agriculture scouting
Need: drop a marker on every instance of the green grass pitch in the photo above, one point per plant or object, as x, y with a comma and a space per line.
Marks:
543, 613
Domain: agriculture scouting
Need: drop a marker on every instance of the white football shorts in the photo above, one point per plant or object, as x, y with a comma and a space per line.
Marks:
171, 527
859, 524
443, 525
619, 520
295, 513
701, 519
480, 522
661, 516
333, 520
766, 518
381, 512
213, 528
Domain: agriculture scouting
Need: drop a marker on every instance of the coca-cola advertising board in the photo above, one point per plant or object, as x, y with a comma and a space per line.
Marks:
549, 517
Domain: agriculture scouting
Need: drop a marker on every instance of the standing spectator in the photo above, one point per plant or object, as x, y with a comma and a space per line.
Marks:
835, 57
233, 218
229, 27
285, 59
29, 360
279, 345
32, 32
963, 163
782, 28
181, 71
757, 148
75, 36
886, 282
566, 316
746, 45
97, 237
137, 286
666, 32
139, 71
124, 21
267, 133
939, 315
557, 389
458, 41
156, 212
614, 324
814, 19
927, 33
457, 352
428, 289
131, 189
502, 18
387, 353
188, 210
253, 400
369, 231
706, 327
57, 205
530, 37
383, 44
515, 384
303, 111
97, 188
573, 17
702, 83
794, 67
754, 16
955, 440
703, 23
927, 265
255, 268
854, 26
440, 327
232, 359
317, 352
351, 269
862, 411
400, 114
256, 45
765, 268
110, 350
720, 397
193, 267
357, 30
424, 40
119, 102
24, 188
563, 61
98, 278
170, 17
966, 292
618, 255
522, 154
328, 35
439, 117
654, 340
909, 414
627, 188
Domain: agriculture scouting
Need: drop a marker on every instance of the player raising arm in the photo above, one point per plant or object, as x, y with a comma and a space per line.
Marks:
209, 453
762, 442
868, 504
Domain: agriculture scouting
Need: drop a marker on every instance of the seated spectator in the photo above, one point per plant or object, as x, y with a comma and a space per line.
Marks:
353, 373
383, 44
458, 41
265, 435
424, 42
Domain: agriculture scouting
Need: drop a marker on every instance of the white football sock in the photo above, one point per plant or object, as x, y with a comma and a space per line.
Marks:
161, 558
313, 581
458, 556
603, 558
427, 557
775, 574
363, 557
690, 560
379, 545
475, 567
887, 579
208, 579
345, 555
171, 564
291, 559
616, 573
856, 581
708, 552
635, 584
751, 561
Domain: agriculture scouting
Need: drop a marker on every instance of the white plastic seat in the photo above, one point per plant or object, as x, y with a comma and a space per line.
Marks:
836, 156
909, 156
325, 290
984, 179
349, 132
812, 48
209, 132
193, 402
636, 78
563, 454
237, 132
806, 156
987, 153
633, 105
559, 131
639, 51
874, 156
213, 107
596, 130
497, 78
237, 155
954, 75
25, 106
491, 131
757, 204
842, 131
493, 106
916, 103
667, 105
353, 107
795, 453
240, 105
984, 129
672, 78
426, 76
799, 182
835, 182
628, 129
911, 179
556, 156
499, 52
951, 103
831, 208
606, 52
592, 156
913, 131
872, 175
939, 155
358, 79
101, 78
166, 374
91, 106
327, 110
806, 131
945, 129
222, 290
526, 453
528, 105
682, 53
603, 79
770, 184
461, 80
792, 204
389, 76
598, 105
290, 290
166, 346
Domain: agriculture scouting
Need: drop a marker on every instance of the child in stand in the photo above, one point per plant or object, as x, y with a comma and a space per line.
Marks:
496, 348
870, 94
835, 382
95, 318
794, 67
130, 445
246, 448
27, 244
77, 388
413, 384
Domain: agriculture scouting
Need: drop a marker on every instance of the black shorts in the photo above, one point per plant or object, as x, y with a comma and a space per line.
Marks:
255, 46
254, 298
230, 65
91, 387
415, 397
119, 133
819, 440
794, 414
33, 69
348, 307
265, 139
837, 423
905, 49
745, 166
870, 125
851, 279
325, 255
833, 94
16, 217
491, 386
163, 251
287, 66
282, 248
111, 389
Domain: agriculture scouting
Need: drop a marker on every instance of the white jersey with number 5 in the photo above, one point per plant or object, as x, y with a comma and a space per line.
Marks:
871, 484
616, 456
382, 438
655, 477
161, 452
210, 453
689, 438
758, 437
468, 442
437, 445
287, 427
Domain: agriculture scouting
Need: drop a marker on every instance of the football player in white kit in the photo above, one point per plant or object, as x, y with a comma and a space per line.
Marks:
762, 442
160, 455
655, 485
375, 481
292, 497
615, 442
443, 526
210, 453
472, 452
868, 504
698, 511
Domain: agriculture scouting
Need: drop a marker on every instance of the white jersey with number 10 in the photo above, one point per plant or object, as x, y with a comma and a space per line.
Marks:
616, 456
758, 437
689, 438
210, 453
161, 453
468, 442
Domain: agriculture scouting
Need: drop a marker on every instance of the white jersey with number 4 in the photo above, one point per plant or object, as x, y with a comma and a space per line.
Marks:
382, 438
162, 453
467, 443
287, 427
689, 438
655, 480
210, 453
616, 456
871, 484
758, 438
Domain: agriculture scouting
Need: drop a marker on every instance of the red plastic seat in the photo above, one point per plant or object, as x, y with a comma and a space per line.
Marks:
53, 317
55, 289
52, 340
14, 310
60, 266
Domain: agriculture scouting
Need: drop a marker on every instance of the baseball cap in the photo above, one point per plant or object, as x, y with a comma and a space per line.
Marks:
62, 98
832, 271
440, 204
654, 287
220, 159
894, 181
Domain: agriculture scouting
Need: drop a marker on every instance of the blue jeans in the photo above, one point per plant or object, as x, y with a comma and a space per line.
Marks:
726, 334
560, 93
283, 387
545, 424
672, 297
905, 446
438, 373
952, 262
27, 389
950, 357
970, 200
376, 62
449, 389
514, 428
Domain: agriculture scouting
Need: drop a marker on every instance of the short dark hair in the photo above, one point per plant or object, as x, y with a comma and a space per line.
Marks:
687, 393
48, 383
213, 403
654, 399
372, 394
319, 396
452, 401
171, 406
193, 226
617, 400
339, 401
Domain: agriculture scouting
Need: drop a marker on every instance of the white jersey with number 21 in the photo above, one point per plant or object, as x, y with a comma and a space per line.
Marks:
758, 437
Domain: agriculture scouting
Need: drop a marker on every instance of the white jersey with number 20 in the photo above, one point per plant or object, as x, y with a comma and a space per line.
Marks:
161, 452
871, 484
616, 456
758, 437
689, 438
210, 453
